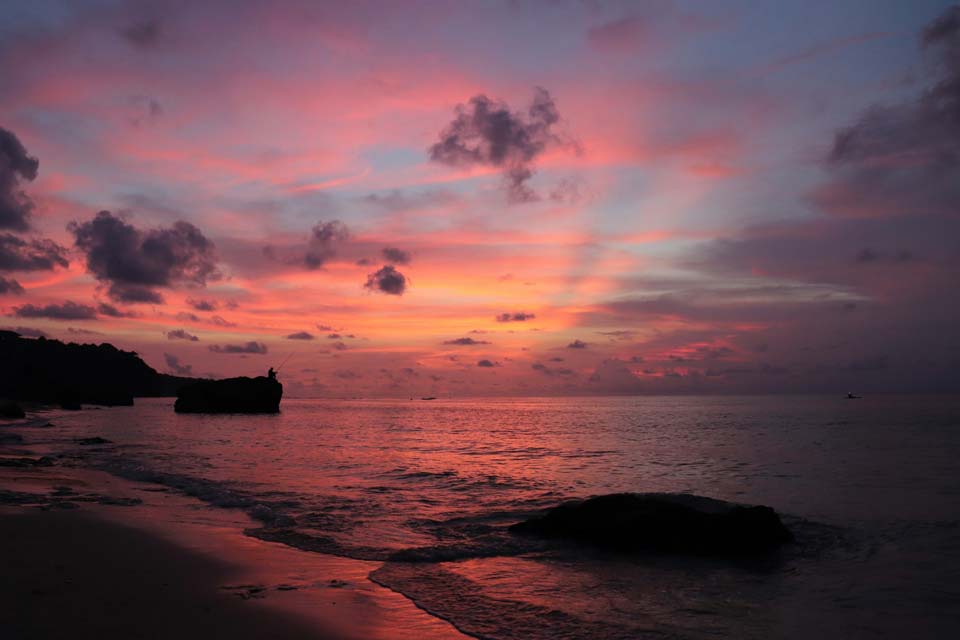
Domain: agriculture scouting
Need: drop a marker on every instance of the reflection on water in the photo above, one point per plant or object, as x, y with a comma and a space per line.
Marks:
876, 479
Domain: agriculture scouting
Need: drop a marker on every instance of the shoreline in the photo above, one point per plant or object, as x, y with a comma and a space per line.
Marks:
87, 553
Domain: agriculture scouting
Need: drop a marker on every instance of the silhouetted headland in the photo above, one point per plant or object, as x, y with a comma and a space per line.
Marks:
231, 395
673, 523
70, 374
10, 409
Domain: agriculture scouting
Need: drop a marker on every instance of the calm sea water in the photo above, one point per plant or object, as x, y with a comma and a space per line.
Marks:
871, 487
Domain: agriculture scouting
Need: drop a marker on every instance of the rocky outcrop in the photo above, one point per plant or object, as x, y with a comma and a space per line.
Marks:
232, 395
70, 374
672, 523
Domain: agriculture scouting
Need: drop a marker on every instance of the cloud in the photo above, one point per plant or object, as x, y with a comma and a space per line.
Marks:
577, 344
324, 240
180, 334
487, 133
487, 363
135, 263
69, 310
547, 371
396, 256
188, 317
143, 34
11, 286
83, 332
902, 158
202, 305
28, 332
15, 166
175, 366
517, 316
109, 310
387, 280
466, 342
17, 254
250, 347
300, 335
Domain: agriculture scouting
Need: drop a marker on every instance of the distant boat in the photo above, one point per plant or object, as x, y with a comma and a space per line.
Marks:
429, 398
851, 396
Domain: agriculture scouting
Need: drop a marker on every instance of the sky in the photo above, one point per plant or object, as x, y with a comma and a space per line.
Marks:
490, 198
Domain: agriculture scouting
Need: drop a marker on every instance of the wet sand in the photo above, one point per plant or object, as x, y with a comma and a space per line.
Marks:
73, 574
85, 554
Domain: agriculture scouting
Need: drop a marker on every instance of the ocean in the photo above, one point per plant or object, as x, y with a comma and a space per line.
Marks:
870, 488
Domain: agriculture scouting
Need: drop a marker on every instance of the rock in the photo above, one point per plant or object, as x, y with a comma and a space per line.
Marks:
10, 409
232, 395
672, 523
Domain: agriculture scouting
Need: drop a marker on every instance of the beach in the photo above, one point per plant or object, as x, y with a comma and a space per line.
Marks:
391, 519
82, 560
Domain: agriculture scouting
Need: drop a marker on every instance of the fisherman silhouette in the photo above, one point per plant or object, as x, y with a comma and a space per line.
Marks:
272, 374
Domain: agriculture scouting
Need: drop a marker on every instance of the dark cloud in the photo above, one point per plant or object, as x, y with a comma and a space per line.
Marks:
202, 305
300, 335
387, 280
487, 363
188, 317
11, 286
176, 367
135, 263
249, 347
487, 133
69, 310
109, 310
324, 240
396, 256
17, 254
466, 342
903, 158
219, 321
548, 371
180, 334
143, 34
577, 344
517, 316
15, 166
340, 346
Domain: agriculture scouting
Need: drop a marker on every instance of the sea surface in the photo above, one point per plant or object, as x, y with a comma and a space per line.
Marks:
870, 487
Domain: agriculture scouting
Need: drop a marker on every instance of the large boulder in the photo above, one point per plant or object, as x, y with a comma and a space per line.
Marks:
232, 395
673, 523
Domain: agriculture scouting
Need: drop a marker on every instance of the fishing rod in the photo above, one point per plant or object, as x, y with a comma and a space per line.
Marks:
285, 360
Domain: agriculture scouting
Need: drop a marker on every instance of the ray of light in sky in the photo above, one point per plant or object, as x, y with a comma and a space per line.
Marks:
490, 198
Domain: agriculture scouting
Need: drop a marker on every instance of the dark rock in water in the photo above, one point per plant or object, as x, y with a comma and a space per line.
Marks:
232, 395
673, 523
10, 409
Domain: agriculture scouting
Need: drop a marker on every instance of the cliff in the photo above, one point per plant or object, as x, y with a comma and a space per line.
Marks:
51, 371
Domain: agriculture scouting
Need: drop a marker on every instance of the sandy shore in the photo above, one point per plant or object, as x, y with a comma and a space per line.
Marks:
85, 554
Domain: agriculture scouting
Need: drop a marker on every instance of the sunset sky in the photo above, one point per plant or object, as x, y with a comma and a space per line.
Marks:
486, 198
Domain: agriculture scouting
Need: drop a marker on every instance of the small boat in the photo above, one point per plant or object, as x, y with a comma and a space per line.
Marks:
429, 398
851, 396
